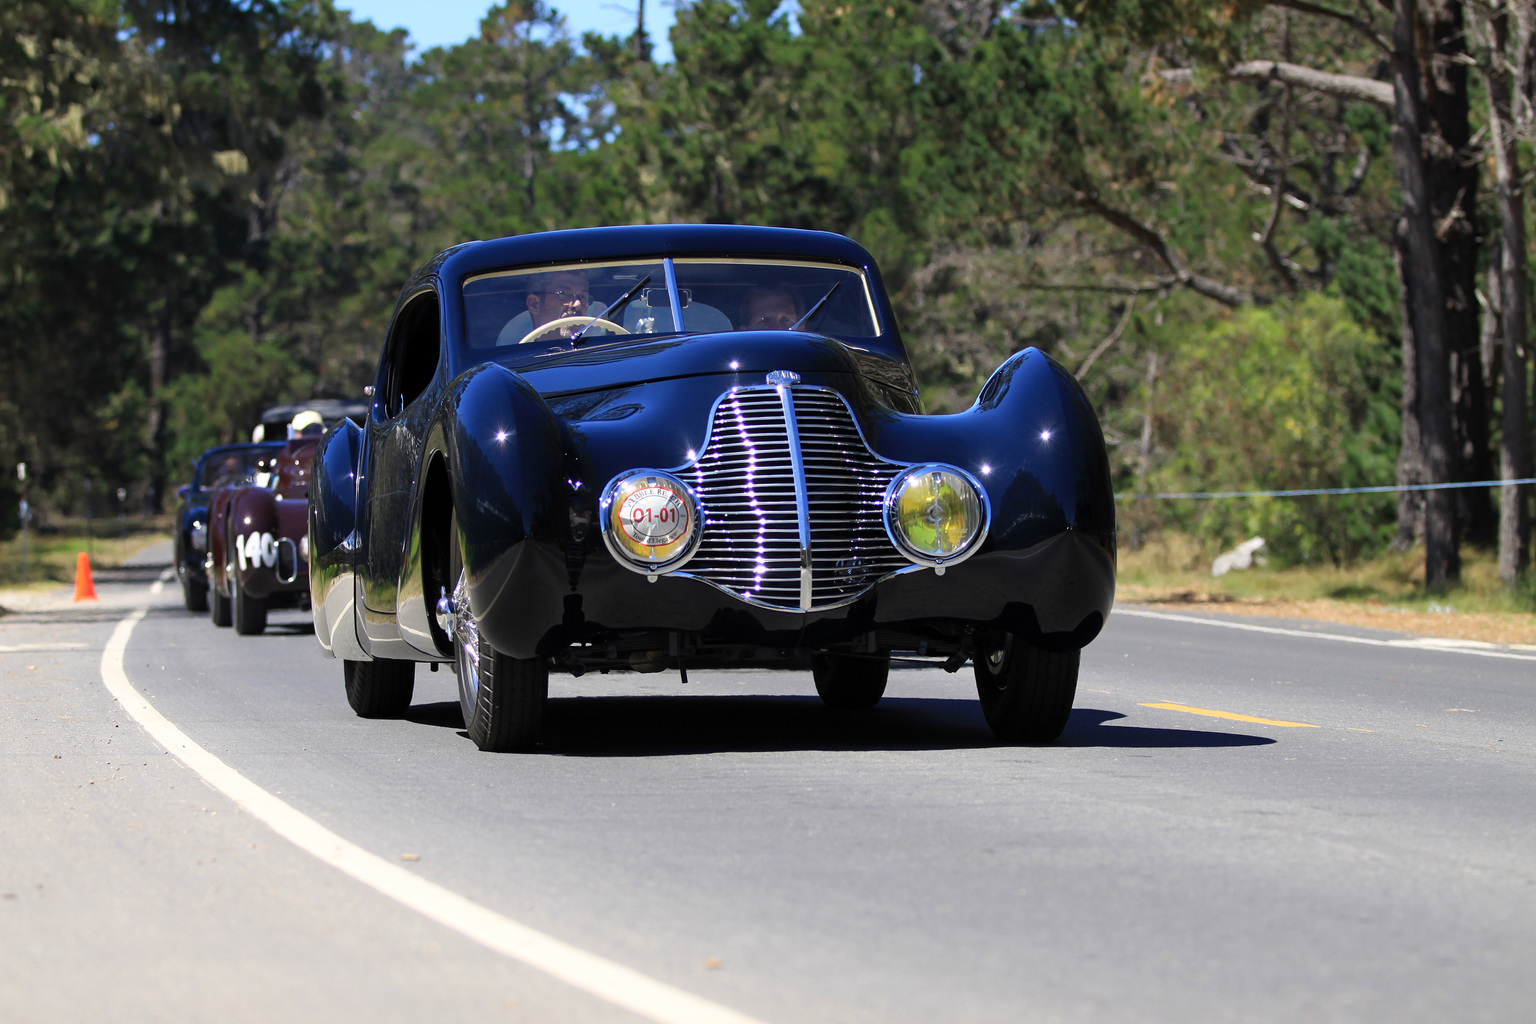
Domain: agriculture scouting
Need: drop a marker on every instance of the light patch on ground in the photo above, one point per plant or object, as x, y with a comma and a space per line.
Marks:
1489, 627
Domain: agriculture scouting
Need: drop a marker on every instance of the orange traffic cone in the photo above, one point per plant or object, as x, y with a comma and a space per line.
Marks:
85, 589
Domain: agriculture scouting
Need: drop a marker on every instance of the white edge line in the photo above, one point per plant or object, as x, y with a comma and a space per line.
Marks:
1424, 644
39, 648
588, 972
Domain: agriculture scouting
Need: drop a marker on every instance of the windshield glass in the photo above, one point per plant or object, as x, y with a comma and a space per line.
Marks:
232, 468
548, 307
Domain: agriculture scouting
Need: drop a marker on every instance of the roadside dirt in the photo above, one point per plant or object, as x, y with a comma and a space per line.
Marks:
1509, 628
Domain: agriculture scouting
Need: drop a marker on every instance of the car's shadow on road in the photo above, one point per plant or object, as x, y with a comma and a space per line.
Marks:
669, 725
304, 628
1090, 728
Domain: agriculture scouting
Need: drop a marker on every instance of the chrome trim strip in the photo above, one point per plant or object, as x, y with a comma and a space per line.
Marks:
277, 572
714, 409
709, 437
767, 606
673, 295
782, 383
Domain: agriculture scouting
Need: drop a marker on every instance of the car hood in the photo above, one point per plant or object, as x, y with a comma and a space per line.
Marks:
623, 362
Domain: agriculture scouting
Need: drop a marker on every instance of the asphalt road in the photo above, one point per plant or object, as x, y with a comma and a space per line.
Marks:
733, 839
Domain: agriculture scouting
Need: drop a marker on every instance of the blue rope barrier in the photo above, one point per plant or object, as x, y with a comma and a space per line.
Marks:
1311, 491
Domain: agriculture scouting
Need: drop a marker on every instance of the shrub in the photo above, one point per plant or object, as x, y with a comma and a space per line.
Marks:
1292, 396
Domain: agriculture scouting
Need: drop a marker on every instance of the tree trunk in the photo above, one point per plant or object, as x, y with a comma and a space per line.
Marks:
1144, 463
1452, 178
159, 365
1510, 272
1442, 556
1410, 456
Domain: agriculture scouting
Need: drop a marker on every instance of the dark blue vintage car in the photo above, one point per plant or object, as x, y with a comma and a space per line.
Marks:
674, 447
224, 466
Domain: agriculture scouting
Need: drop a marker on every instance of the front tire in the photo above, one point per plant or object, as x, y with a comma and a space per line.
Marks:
380, 688
1026, 692
250, 613
219, 611
193, 594
502, 697
849, 681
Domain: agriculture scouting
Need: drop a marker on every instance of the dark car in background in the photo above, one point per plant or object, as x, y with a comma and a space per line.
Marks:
674, 447
226, 465
276, 419
258, 533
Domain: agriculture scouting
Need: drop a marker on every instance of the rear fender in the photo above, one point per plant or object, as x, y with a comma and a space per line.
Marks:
218, 547
333, 542
424, 569
253, 544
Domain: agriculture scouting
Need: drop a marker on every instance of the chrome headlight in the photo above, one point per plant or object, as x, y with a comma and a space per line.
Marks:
197, 535
651, 521
936, 515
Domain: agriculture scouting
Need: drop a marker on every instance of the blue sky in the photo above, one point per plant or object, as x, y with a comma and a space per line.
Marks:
446, 22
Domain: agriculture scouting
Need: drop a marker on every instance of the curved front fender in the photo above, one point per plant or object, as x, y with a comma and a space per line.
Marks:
511, 494
1034, 442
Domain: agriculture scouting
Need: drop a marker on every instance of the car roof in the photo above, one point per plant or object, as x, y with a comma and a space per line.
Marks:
243, 446
452, 266
637, 240
328, 408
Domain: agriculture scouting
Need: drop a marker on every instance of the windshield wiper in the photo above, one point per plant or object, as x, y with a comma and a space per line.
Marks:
604, 316
816, 308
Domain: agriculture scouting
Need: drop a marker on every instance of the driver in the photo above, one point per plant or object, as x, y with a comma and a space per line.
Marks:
230, 469
770, 309
551, 296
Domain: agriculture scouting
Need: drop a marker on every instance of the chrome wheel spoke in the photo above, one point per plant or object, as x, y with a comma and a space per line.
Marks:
466, 639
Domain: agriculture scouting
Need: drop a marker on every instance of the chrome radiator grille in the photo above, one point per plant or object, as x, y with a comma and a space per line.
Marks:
745, 481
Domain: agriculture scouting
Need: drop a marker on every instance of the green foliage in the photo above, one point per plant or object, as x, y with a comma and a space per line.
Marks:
245, 370
209, 205
1290, 397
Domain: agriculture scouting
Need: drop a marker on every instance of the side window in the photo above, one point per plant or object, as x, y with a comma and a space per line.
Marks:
413, 352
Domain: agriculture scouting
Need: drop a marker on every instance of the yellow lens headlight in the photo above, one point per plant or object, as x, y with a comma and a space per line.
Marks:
935, 514
650, 521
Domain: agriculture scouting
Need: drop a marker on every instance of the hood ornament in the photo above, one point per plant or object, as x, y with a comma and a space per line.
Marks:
783, 378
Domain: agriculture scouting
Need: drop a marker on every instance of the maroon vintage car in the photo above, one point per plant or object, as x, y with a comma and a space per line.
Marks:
258, 544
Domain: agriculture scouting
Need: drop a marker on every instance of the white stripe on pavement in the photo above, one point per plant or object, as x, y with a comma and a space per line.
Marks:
1423, 643
588, 972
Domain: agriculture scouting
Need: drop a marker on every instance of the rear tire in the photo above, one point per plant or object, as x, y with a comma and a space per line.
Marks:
851, 681
380, 688
1026, 692
502, 697
250, 613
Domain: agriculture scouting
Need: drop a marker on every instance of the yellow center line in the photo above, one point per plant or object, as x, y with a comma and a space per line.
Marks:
1232, 715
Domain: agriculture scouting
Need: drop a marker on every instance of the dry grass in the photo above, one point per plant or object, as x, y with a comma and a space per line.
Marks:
52, 552
1385, 593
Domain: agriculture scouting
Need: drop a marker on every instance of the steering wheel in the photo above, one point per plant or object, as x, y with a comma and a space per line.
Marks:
570, 321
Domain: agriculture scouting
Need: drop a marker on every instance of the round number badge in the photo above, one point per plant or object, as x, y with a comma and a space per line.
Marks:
654, 516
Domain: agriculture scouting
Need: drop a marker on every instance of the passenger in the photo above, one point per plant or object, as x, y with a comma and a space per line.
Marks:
551, 296
770, 309
308, 423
